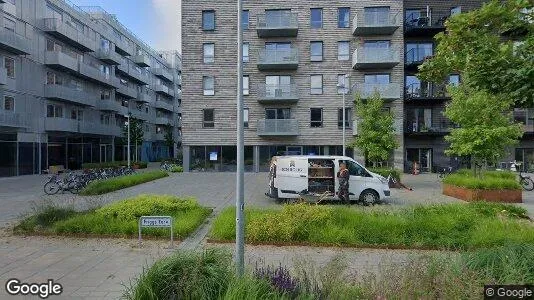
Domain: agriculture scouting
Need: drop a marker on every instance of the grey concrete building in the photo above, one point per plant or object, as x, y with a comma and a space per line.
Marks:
296, 54
70, 77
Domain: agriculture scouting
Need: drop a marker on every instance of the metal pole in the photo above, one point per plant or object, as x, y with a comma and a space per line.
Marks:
240, 202
343, 130
128, 141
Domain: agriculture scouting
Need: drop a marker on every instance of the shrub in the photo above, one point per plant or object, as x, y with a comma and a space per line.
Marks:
177, 169
385, 172
488, 181
114, 164
112, 184
44, 216
451, 226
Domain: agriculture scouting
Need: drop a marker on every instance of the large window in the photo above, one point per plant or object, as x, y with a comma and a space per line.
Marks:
209, 53
343, 50
245, 19
376, 15
278, 18
9, 64
208, 118
208, 20
54, 111
316, 84
9, 103
246, 48
316, 51
277, 85
348, 118
245, 85
343, 17
316, 117
208, 85
277, 113
316, 18
417, 52
456, 10
454, 79
419, 119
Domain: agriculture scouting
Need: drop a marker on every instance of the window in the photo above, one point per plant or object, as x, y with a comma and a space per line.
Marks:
54, 111
245, 85
454, 80
316, 117
348, 118
316, 51
246, 47
209, 53
278, 18
377, 78
343, 84
208, 20
105, 44
418, 119
343, 50
277, 86
208, 85
9, 64
355, 169
208, 118
316, 84
245, 117
316, 18
456, 10
418, 52
277, 113
9, 103
53, 78
376, 16
9, 24
105, 95
104, 119
412, 17
343, 17
76, 114
244, 19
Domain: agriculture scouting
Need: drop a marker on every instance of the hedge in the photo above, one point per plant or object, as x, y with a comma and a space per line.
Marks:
114, 164
100, 187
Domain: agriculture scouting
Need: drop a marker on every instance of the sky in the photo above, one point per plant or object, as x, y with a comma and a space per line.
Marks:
156, 22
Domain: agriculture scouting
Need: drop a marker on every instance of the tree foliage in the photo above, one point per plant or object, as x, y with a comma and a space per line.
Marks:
137, 133
485, 124
376, 133
492, 48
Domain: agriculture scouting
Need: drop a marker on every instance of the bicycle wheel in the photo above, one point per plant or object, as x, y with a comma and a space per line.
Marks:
527, 184
74, 187
51, 188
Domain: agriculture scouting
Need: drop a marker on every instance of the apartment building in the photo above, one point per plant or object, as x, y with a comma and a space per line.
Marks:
71, 76
296, 55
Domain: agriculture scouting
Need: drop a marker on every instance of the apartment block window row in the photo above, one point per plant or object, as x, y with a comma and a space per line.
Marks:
9, 65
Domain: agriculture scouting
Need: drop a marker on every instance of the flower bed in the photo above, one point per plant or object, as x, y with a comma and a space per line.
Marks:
467, 194
490, 186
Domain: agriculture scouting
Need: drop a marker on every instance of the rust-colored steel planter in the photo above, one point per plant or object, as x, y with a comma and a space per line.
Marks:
508, 196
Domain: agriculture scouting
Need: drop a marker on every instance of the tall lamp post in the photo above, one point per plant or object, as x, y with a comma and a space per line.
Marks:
240, 201
128, 117
344, 87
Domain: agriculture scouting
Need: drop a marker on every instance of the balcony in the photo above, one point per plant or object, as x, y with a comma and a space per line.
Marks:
423, 26
122, 47
280, 25
108, 56
416, 56
137, 75
163, 73
93, 74
122, 68
272, 94
388, 91
426, 92
163, 120
164, 105
372, 23
100, 129
109, 105
14, 43
140, 114
69, 94
414, 129
178, 109
69, 34
61, 61
164, 90
273, 60
143, 97
62, 124
371, 58
127, 91
142, 60
13, 119
178, 94
3, 76
278, 127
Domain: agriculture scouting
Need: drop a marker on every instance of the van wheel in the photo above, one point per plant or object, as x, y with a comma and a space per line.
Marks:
369, 197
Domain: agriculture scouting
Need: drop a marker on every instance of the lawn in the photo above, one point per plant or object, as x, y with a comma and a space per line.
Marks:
100, 187
451, 226
119, 218
487, 181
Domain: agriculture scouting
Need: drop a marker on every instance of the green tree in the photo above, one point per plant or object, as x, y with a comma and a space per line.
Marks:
376, 132
169, 139
485, 122
137, 134
492, 48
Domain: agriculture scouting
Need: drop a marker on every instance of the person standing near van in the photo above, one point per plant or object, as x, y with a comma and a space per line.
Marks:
343, 177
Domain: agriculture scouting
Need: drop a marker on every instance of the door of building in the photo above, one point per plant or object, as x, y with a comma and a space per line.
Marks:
423, 157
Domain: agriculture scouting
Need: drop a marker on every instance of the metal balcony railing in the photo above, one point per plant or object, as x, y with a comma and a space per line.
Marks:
14, 119
417, 56
67, 32
375, 58
61, 60
109, 56
414, 128
14, 42
278, 127
386, 91
425, 90
278, 93
128, 91
143, 60
375, 23
163, 73
69, 93
164, 105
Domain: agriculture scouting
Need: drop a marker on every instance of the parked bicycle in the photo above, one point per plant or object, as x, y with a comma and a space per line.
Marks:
444, 172
526, 182
167, 166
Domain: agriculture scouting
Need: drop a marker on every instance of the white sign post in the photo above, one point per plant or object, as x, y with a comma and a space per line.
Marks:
155, 222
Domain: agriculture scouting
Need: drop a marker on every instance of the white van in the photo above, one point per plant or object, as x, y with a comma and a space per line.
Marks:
291, 176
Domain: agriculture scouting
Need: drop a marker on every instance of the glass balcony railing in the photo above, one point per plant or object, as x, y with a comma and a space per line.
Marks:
278, 59
425, 90
281, 24
278, 92
278, 127
375, 23
370, 58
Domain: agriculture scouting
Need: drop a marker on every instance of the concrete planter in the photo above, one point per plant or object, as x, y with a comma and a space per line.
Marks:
507, 196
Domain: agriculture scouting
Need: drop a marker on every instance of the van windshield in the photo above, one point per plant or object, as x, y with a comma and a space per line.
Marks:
355, 169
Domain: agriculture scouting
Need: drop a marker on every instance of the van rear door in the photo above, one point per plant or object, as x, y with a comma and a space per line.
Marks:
292, 175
